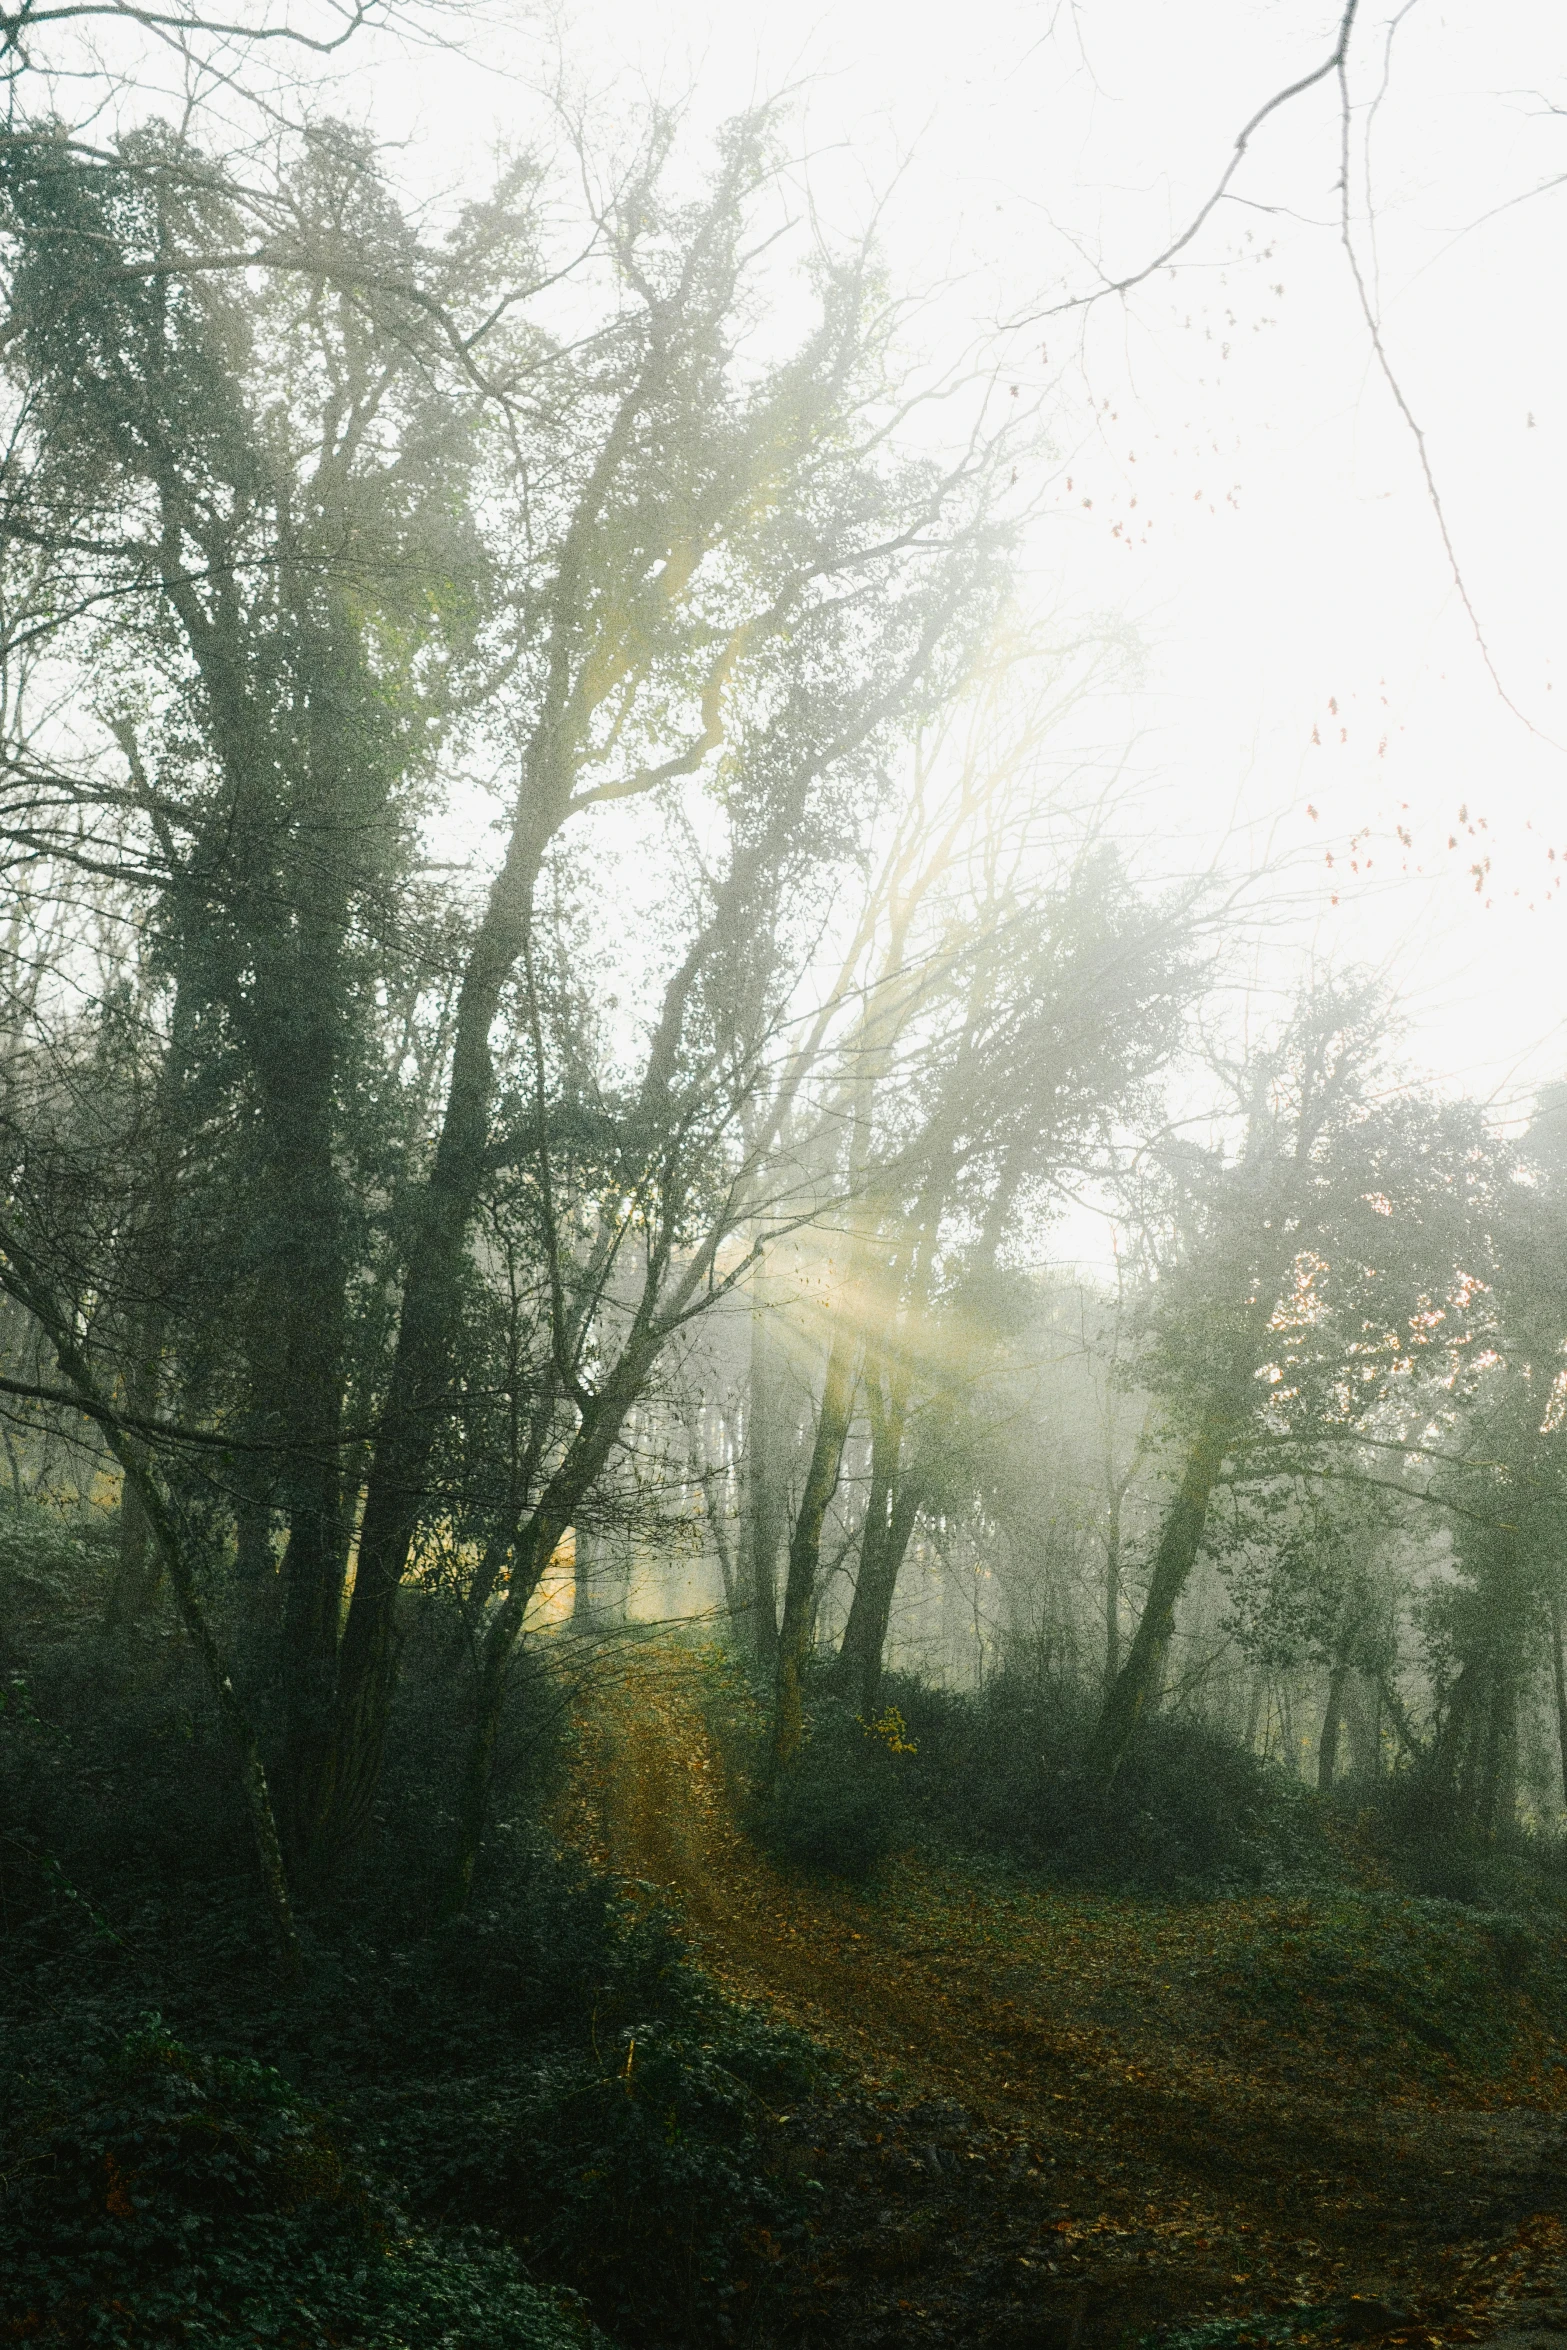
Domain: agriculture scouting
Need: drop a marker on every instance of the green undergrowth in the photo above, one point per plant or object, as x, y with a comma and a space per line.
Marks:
642, 2173
447, 2133
1426, 1982
994, 1777
1188, 1813
1244, 1903
153, 2195
1353, 2318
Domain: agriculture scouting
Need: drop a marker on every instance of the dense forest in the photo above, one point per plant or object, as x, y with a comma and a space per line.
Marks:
628, 1714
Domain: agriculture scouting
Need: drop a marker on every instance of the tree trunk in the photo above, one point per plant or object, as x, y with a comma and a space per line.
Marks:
1398, 1715
713, 1511
1559, 1675
1448, 1748
307, 1277
805, 1548
421, 1369
254, 1564
764, 1510
865, 1639
1113, 1590
889, 1523
1116, 1489
138, 1569
1253, 1713
1180, 1539
1332, 1719
1496, 1794
564, 1495
849, 1669
138, 1474
236, 1723
603, 1582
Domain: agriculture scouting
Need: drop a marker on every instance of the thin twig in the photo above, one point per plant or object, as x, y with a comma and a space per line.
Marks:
1122, 285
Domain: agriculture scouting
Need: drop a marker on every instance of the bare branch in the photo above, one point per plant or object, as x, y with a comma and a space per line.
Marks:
1333, 64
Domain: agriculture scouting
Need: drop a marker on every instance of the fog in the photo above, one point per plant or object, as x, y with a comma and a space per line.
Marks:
1284, 554
783, 1203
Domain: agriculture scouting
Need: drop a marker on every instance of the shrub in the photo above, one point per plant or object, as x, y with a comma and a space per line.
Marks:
642, 2173
845, 1804
1189, 1811
162, 2196
479, 2064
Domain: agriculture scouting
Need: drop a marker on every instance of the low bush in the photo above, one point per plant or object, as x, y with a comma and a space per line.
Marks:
153, 2195
846, 1803
643, 2171
997, 1772
1188, 1810
1422, 1979
544, 2081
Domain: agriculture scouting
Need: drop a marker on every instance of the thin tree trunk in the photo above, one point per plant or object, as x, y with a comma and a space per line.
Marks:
138, 1569
535, 1543
890, 1519
292, 1014
1497, 1793
587, 1581
1113, 1590
1117, 1488
871, 1648
1448, 1747
805, 1548
713, 1511
1332, 1719
1180, 1539
1559, 1675
309, 1276
1253, 1713
236, 1723
886, 1443
135, 1468
254, 1564
763, 1486
1398, 1715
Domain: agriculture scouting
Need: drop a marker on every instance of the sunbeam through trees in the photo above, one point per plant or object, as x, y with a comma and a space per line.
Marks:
783, 1543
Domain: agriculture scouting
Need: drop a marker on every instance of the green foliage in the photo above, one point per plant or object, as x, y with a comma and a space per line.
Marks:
1187, 1812
844, 1806
47, 1560
1393, 1971
156, 2195
639, 2169
996, 1773
1352, 2319
547, 2070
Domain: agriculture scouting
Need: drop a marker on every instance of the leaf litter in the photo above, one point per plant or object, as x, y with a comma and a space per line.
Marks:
1068, 2116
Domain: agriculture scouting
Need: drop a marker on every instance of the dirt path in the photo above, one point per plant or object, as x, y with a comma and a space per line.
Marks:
1164, 2148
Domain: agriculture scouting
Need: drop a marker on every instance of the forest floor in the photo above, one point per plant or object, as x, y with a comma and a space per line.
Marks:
1069, 2117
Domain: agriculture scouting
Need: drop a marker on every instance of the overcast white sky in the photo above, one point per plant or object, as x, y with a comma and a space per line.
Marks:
1305, 642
